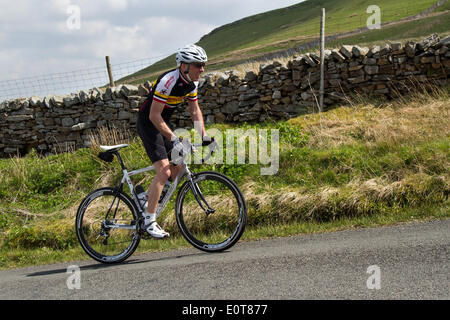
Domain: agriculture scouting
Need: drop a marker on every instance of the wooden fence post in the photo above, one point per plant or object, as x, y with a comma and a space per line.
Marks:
322, 60
108, 67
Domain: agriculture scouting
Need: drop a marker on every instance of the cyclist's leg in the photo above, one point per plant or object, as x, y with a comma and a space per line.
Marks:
163, 172
162, 168
156, 148
173, 169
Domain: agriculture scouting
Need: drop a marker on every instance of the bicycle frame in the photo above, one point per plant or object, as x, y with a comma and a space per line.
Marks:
184, 172
162, 205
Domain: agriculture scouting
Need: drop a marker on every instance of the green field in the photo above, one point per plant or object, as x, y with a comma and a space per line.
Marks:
407, 31
413, 30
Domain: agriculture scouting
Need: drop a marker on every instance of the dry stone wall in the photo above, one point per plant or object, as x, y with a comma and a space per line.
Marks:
277, 91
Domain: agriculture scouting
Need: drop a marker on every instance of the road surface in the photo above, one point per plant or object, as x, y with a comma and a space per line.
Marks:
408, 261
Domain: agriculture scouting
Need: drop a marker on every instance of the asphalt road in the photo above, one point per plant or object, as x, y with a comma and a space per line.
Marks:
408, 261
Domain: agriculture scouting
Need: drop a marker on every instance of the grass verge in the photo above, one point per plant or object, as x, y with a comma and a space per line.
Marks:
359, 165
22, 257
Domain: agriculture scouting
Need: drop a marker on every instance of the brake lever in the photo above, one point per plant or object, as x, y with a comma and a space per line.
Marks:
213, 146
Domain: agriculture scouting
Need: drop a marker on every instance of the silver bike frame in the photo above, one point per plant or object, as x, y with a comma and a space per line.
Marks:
126, 178
173, 186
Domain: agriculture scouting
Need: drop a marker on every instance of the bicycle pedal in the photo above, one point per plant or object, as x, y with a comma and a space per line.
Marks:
146, 236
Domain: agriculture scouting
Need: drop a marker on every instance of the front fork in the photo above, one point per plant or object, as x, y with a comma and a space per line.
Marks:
198, 194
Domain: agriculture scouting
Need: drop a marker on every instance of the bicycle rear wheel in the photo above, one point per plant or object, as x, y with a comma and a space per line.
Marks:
213, 216
106, 226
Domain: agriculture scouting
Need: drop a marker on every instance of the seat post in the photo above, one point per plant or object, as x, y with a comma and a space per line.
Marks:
120, 160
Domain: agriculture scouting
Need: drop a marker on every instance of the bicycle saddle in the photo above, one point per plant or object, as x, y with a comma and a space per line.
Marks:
113, 148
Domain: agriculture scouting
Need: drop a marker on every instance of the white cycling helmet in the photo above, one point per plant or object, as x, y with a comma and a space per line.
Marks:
191, 54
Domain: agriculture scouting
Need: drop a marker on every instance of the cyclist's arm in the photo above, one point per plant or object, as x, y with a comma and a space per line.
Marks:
158, 121
196, 115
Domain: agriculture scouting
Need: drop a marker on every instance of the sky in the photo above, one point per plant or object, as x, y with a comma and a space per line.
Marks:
42, 37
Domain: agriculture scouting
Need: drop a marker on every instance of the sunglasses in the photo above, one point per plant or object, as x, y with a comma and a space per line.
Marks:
198, 65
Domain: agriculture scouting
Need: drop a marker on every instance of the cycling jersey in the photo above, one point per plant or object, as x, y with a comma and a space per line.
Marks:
171, 88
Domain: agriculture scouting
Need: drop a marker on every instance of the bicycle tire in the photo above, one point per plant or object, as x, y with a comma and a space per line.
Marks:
92, 237
226, 224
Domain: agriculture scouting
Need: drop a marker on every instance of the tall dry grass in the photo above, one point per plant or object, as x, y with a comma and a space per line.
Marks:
358, 198
423, 114
406, 174
108, 136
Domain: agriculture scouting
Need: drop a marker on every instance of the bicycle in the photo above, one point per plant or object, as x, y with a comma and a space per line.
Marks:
210, 211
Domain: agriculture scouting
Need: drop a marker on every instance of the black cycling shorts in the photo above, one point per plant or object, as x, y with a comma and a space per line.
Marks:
155, 144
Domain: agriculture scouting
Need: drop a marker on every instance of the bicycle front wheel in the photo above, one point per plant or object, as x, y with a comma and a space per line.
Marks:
106, 226
211, 212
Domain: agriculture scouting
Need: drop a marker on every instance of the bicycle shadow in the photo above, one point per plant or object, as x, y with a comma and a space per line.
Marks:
97, 266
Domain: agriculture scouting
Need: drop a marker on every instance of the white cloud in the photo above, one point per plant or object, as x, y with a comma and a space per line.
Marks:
55, 6
3, 36
149, 38
35, 39
118, 5
169, 33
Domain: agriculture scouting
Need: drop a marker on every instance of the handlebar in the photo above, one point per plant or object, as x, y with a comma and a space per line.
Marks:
213, 146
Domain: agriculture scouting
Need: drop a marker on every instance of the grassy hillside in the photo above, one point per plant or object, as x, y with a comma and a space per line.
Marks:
287, 27
302, 20
360, 164
413, 30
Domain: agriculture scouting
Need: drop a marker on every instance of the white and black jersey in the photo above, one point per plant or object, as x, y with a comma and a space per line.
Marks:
172, 89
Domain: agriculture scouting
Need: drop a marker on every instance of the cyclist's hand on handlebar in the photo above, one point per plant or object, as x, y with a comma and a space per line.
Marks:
180, 149
206, 141
211, 144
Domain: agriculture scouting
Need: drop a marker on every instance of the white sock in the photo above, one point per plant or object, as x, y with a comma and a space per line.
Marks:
149, 218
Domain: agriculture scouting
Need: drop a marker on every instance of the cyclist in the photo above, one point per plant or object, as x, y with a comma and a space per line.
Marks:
155, 129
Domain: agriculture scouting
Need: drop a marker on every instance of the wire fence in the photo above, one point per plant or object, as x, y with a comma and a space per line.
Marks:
73, 81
